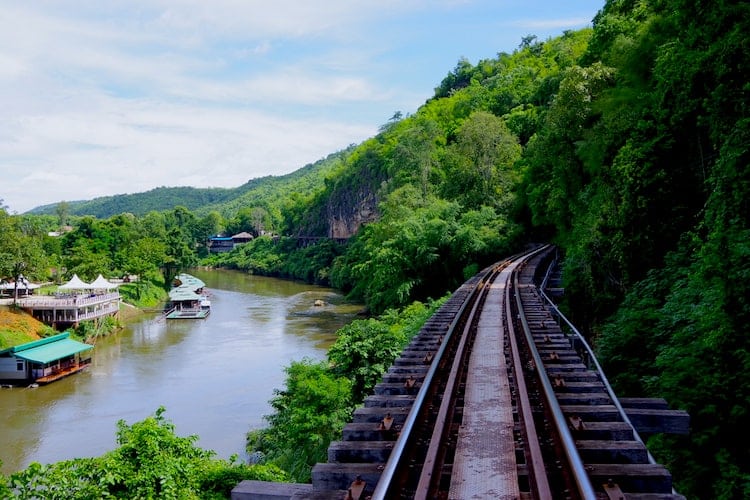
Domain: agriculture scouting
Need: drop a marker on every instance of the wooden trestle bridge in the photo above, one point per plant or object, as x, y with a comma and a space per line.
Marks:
498, 396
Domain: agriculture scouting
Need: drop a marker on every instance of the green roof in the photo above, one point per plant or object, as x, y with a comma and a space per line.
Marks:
50, 349
190, 281
183, 293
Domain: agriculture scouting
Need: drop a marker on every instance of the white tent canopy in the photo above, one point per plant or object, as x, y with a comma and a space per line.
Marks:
75, 283
102, 284
22, 285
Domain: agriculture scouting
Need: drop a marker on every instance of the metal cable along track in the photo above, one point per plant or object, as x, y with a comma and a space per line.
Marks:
491, 399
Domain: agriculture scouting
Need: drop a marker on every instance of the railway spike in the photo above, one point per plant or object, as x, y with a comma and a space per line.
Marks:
356, 489
385, 424
576, 422
613, 490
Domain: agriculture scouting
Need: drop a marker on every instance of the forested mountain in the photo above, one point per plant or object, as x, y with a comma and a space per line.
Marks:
227, 201
626, 144
161, 198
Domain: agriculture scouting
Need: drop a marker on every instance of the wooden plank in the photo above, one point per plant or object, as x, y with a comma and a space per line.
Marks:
327, 476
378, 414
635, 478
583, 398
382, 401
359, 451
613, 452
396, 388
648, 403
601, 413
605, 430
366, 431
266, 490
647, 421
572, 386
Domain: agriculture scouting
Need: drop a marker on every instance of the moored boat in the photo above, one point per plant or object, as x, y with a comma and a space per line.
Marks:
187, 299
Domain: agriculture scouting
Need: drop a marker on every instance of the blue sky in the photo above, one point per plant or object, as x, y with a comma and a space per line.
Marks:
101, 98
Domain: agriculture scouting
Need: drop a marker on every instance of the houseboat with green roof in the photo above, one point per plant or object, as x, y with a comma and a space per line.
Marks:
187, 299
44, 360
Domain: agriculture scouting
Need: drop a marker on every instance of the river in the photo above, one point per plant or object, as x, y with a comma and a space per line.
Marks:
214, 376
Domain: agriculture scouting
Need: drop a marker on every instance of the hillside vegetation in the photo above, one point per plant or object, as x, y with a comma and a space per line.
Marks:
626, 144
260, 192
19, 328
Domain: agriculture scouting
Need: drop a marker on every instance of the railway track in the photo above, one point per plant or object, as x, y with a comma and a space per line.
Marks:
493, 400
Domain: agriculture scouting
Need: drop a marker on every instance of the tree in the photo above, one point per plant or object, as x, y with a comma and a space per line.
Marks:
153, 224
21, 254
416, 153
206, 227
261, 220
481, 162
63, 211
309, 413
151, 461
178, 255
143, 257
458, 78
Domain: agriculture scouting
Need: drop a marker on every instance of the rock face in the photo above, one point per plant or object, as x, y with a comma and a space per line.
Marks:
348, 202
347, 214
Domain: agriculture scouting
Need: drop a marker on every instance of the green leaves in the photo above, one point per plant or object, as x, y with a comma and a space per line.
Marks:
318, 398
308, 414
150, 462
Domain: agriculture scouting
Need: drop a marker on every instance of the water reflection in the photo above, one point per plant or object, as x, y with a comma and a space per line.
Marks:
214, 376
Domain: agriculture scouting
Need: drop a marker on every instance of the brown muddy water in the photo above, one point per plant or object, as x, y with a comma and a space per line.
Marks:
214, 376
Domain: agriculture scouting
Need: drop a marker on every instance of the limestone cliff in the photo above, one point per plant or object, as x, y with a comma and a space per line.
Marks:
349, 201
346, 213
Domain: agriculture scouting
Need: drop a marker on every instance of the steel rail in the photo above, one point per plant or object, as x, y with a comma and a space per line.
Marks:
399, 447
438, 433
535, 458
580, 476
592, 359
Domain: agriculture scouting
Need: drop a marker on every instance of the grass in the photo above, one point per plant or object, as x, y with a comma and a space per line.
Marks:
18, 328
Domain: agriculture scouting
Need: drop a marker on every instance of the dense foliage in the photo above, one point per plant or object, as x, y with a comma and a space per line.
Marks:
151, 461
641, 170
158, 199
283, 257
258, 193
319, 397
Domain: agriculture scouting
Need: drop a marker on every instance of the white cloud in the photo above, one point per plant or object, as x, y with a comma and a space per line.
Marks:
101, 98
146, 144
554, 24
11, 67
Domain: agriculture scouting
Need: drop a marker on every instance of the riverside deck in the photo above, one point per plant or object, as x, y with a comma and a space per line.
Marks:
64, 372
188, 314
70, 309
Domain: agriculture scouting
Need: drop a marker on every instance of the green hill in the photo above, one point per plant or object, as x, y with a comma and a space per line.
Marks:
256, 192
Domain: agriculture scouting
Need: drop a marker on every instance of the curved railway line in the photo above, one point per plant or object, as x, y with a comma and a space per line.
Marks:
492, 399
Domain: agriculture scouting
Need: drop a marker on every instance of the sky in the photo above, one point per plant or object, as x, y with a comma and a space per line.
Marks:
110, 97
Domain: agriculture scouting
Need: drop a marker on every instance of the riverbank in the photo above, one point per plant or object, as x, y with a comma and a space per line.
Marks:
17, 327
215, 376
